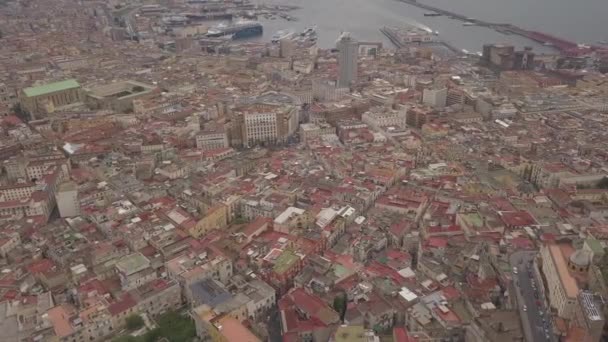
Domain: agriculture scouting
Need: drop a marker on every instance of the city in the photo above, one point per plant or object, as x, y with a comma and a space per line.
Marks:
184, 170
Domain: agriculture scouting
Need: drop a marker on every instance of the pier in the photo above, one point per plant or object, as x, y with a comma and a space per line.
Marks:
563, 45
393, 37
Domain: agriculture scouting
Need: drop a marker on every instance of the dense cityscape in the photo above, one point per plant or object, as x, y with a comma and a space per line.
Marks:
172, 171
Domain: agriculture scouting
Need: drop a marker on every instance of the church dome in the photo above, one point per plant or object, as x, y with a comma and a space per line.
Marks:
580, 260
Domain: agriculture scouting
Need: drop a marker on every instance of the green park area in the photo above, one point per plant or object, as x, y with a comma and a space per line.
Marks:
171, 326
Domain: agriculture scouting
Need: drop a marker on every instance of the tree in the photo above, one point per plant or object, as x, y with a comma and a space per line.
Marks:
134, 322
21, 113
126, 338
603, 184
340, 302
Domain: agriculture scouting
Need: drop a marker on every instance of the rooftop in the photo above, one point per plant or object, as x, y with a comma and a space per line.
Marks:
133, 263
285, 261
353, 333
51, 88
209, 292
233, 331
59, 318
568, 282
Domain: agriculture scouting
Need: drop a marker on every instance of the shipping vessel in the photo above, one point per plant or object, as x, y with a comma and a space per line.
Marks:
282, 34
432, 14
238, 30
309, 31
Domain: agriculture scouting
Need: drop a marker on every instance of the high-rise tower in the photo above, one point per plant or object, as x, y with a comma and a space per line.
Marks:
347, 59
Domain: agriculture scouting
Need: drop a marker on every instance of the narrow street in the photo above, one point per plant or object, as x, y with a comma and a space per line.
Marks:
535, 317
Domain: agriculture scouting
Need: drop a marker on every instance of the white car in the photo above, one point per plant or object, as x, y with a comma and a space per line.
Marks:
525, 308
514, 270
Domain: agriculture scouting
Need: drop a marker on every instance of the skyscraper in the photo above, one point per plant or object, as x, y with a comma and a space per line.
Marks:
347, 59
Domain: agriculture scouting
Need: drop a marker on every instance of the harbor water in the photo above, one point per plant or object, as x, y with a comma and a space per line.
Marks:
580, 21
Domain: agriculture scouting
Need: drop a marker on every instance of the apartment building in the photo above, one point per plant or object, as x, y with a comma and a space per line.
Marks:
562, 287
264, 124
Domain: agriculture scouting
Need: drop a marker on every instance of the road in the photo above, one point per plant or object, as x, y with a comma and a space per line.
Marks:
535, 320
274, 326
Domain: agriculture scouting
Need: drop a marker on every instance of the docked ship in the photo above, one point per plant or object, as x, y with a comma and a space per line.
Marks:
238, 30
309, 31
282, 34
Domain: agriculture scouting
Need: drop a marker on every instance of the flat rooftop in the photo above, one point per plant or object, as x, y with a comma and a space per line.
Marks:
133, 263
120, 89
285, 261
568, 282
50, 88
209, 292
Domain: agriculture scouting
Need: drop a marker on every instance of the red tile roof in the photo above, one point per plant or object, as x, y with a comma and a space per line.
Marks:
437, 242
401, 335
41, 266
517, 219
122, 305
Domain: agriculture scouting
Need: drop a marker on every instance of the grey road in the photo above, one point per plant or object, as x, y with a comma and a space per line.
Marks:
274, 326
534, 315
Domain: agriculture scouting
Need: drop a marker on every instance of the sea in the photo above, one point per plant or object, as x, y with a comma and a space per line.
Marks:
582, 21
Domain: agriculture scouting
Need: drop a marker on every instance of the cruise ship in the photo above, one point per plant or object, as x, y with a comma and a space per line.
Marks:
241, 29
282, 34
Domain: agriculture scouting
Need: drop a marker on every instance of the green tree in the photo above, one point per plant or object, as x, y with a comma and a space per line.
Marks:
134, 322
240, 220
21, 113
126, 338
603, 184
340, 303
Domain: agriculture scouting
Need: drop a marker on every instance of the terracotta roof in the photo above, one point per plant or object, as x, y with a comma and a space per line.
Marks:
122, 305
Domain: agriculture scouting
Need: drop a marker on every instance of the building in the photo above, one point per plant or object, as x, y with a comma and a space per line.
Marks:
67, 199
500, 56
417, 117
436, 98
326, 90
46, 98
220, 328
134, 270
189, 269
291, 218
524, 60
287, 47
157, 297
496, 326
311, 131
212, 139
590, 316
561, 285
63, 327
354, 333
215, 218
505, 57
305, 317
8, 242
265, 124
381, 119
285, 267
348, 51
118, 96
